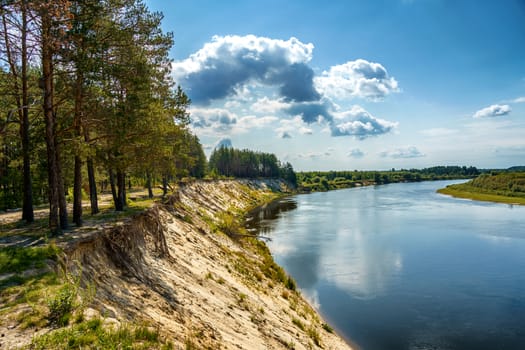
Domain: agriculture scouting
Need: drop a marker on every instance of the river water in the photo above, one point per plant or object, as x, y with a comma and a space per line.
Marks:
398, 266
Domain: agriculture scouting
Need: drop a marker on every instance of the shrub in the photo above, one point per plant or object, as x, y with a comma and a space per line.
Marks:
290, 283
312, 333
228, 224
61, 305
298, 323
327, 328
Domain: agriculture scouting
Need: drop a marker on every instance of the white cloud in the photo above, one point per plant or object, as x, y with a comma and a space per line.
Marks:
239, 83
222, 121
305, 130
313, 155
269, 106
519, 100
404, 152
252, 122
223, 67
358, 78
356, 153
359, 123
289, 126
217, 120
493, 111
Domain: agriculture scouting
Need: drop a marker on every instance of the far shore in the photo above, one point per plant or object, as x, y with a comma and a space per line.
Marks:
477, 196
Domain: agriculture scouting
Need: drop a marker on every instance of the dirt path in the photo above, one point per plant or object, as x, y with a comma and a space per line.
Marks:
13, 232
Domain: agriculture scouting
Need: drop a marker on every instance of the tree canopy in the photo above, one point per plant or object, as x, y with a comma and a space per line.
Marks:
86, 94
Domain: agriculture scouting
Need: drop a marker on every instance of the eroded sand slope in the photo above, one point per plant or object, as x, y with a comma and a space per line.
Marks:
173, 268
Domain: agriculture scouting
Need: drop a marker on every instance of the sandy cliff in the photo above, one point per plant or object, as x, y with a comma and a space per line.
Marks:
174, 268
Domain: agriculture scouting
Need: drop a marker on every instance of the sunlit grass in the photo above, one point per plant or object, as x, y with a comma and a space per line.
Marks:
93, 334
17, 259
467, 193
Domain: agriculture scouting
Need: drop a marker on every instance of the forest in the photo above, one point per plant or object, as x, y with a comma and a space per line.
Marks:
230, 162
330, 180
86, 98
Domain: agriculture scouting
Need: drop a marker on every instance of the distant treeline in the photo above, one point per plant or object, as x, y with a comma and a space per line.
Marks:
245, 163
329, 180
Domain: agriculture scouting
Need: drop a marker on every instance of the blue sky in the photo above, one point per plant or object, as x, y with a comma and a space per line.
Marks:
355, 84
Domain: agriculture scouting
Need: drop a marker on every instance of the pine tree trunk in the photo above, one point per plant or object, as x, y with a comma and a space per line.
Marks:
121, 191
77, 124
93, 196
164, 186
47, 82
113, 187
62, 204
92, 187
77, 192
27, 206
148, 185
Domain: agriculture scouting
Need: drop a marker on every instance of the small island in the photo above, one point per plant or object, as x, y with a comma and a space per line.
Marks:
506, 187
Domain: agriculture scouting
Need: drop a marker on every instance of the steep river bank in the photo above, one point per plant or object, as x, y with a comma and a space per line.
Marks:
174, 268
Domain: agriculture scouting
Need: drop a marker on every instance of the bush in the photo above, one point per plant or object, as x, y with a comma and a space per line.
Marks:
61, 305
328, 328
229, 224
290, 283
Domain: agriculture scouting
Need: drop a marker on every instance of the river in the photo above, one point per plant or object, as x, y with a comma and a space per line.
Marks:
398, 266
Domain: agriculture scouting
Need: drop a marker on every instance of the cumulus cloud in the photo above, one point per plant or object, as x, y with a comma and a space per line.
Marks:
227, 63
405, 152
269, 106
216, 119
359, 123
252, 122
519, 100
240, 68
356, 153
311, 112
358, 78
220, 120
289, 126
493, 111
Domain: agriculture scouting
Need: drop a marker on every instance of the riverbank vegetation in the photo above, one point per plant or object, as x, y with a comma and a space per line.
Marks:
505, 187
331, 180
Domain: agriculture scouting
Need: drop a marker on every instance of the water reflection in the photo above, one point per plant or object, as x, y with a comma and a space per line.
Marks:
400, 267
360, 267
325, 243
262, 219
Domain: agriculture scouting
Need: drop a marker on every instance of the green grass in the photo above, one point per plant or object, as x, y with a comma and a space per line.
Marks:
92, 334
38, 228
18, 259
469, 192
298, 323
314, 335
327, 328
31, 291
